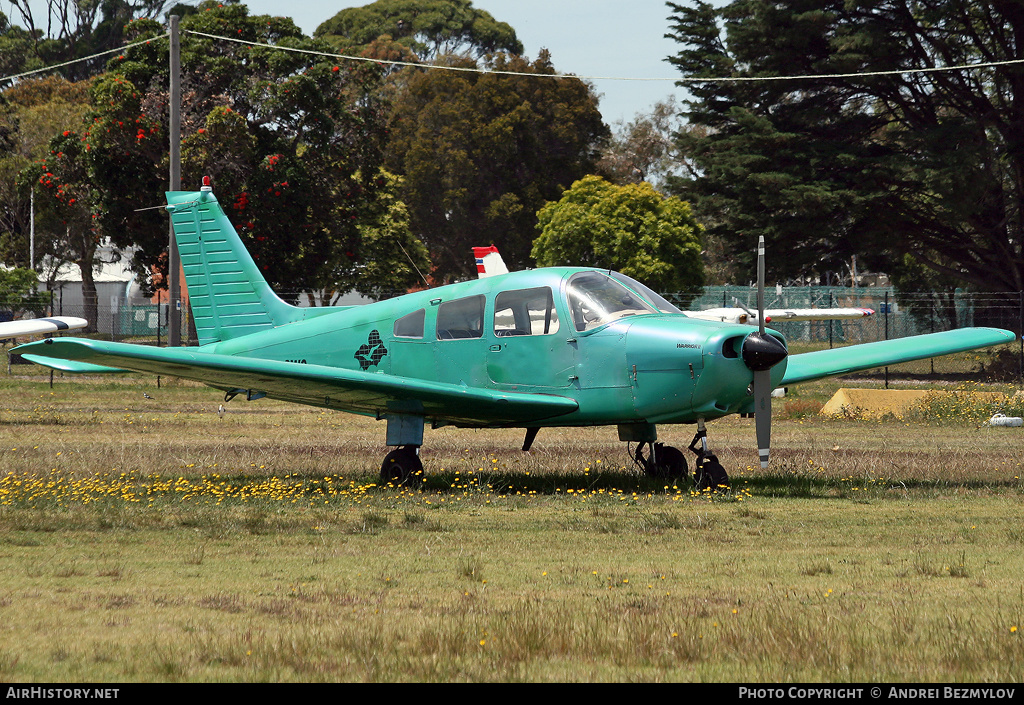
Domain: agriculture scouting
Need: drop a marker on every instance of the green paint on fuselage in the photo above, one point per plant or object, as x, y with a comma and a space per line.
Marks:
641, 368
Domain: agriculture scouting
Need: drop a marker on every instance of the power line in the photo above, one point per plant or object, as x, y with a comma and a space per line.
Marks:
807, 77
467, 69
390, 62
84, 58
684, 79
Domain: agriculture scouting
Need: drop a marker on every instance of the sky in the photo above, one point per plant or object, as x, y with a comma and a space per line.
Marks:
615, 38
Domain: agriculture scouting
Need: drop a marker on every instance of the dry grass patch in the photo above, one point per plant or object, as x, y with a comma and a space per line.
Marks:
261, 548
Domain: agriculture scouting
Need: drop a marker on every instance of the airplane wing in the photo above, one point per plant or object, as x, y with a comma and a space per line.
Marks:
723, 315
316, 385
778, 315
805, 367
36, 326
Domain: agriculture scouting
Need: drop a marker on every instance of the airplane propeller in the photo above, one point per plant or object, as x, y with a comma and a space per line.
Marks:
761, 352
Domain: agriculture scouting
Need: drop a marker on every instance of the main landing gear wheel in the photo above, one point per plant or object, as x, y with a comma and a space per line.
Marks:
663, 461
400, 464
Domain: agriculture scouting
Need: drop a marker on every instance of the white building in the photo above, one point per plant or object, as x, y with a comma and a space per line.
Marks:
116, 288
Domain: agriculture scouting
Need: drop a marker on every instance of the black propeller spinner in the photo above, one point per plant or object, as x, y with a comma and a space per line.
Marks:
762, 351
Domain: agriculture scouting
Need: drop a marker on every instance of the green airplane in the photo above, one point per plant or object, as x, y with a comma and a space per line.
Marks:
558, 346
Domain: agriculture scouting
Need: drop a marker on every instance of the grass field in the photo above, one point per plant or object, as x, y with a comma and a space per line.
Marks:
150, 540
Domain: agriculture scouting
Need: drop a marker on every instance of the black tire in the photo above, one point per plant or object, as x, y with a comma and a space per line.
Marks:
709, 474
399, 465
667, 462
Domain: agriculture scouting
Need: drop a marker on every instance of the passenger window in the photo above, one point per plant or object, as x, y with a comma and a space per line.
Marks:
525, 312
410, 326
462, 318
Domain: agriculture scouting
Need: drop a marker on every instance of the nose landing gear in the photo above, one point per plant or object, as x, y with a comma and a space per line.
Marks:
660, 461
708, 473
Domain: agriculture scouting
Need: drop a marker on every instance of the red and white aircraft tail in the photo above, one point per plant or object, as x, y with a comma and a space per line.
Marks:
489, 262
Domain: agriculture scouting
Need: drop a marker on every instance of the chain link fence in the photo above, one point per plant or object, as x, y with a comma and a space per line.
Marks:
897, 315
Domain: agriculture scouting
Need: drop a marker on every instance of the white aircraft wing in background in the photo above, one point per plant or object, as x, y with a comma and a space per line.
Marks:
779, 315
38, 326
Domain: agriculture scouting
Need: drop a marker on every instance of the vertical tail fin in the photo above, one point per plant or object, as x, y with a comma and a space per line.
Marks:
489, 262
228, 295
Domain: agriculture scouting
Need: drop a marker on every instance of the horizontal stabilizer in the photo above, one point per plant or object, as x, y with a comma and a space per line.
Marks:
316, 385
70, 365
805, 367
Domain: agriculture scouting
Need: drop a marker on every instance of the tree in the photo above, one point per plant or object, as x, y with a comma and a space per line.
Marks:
18, 294
393, 259
292, 141
480, 154
644, 148
632, 229
881, 166
926, 295
15, 49
82, 181
31, 113
67, 205
429, 28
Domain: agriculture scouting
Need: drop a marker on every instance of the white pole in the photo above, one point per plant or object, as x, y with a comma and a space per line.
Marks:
32, 230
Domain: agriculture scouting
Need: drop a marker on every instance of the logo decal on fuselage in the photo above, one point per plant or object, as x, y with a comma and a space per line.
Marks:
372, 352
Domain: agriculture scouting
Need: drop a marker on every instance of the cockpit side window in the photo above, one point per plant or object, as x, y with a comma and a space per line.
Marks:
596, 299
525, 312
461, 318
659, 301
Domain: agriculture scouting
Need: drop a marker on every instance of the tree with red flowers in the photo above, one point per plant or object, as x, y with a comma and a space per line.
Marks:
31, 113
292, 141
77, 182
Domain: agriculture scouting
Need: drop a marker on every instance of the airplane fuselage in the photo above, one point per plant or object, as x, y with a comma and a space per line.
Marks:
529, 332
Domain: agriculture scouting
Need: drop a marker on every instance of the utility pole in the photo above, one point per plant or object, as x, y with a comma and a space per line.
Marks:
32, 228
173, 285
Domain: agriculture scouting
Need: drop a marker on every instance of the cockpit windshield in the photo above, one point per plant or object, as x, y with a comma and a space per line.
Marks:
659, 301
596, 299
